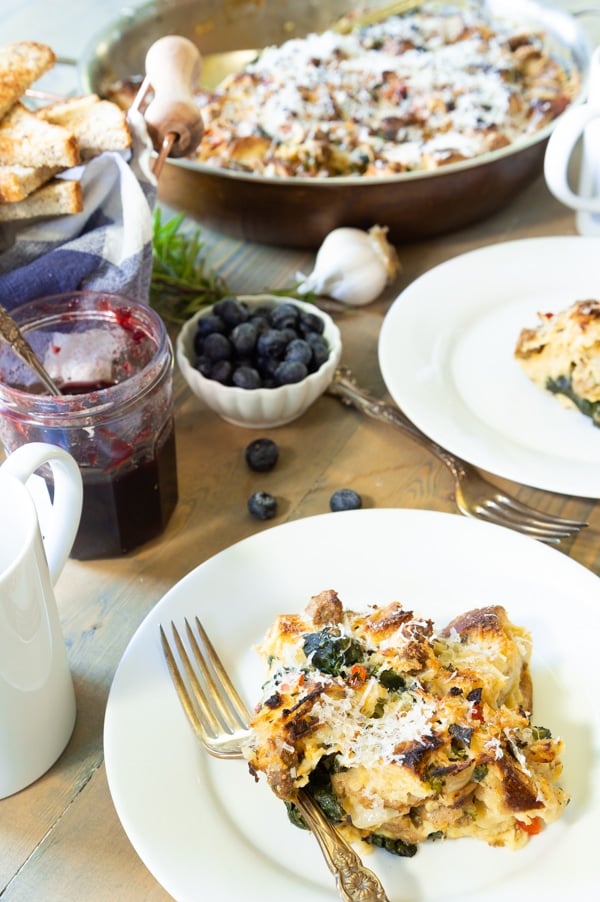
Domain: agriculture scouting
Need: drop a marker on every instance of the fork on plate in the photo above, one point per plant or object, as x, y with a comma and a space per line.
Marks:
219, 719
475, 496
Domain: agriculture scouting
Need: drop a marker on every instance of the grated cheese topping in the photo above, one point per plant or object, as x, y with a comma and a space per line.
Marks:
413, 92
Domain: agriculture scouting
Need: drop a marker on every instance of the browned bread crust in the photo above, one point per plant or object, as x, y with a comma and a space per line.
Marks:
55, 198
27, 140
21, 64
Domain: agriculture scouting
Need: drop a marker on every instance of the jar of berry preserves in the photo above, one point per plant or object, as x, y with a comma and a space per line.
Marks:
112, 360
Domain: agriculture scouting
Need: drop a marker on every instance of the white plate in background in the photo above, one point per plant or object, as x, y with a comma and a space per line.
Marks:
446, 353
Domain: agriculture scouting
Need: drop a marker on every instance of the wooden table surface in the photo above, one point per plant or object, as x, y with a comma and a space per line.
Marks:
61, 839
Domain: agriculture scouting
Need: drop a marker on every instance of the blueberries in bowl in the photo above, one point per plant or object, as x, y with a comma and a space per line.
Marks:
264, 347
264, 342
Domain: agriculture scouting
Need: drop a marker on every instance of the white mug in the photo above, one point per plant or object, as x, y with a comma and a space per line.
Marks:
579, 123
37, 698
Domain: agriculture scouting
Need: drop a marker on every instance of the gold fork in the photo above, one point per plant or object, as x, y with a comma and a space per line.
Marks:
474, 495
219, 719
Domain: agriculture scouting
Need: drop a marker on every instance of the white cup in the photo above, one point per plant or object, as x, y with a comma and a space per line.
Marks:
579, 123
37, 699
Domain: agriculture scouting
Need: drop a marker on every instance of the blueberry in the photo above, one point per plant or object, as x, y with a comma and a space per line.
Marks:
310, 322
298, 349
231, 311
262, 505
289, 334
217, 347
243, 337
221, 371
246, 377
266, 367
204, 366
272, 344
262, 454
284, 316
345, 500
290, 371
209, 323
319, 348
260, 322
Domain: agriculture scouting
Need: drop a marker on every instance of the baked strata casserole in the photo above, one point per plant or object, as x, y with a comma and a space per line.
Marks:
439, 85
562, 355
402, 732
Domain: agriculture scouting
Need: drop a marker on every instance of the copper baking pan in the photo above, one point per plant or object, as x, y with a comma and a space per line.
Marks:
299, 213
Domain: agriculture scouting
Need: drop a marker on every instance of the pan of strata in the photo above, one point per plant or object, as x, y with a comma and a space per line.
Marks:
40, 149
425, 122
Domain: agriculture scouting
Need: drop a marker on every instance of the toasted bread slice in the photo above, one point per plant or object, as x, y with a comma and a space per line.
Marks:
98, 125
21, 64
57, 197
16, 182
28, 141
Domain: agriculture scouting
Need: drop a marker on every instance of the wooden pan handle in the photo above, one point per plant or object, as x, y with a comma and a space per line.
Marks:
173, 66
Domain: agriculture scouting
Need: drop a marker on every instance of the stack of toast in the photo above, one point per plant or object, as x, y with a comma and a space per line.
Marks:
37, 146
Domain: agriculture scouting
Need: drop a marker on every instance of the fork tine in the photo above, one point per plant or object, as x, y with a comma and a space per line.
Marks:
215, 725
543, 527
536, 516
184, 696
544, 533
230, 692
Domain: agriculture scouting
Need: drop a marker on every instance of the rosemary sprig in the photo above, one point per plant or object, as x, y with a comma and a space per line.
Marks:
180, 284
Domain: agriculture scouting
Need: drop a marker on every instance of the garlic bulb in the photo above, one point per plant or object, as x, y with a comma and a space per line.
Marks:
352, 266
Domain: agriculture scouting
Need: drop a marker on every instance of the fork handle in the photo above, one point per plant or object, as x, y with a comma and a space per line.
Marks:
345, 388
355, 882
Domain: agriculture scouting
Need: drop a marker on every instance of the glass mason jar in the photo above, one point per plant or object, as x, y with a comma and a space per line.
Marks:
112, 360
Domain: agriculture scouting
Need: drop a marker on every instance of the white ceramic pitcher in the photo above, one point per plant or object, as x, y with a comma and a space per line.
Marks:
37, 699
581, 123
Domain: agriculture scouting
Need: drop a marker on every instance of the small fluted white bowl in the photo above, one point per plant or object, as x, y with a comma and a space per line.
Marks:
259, 407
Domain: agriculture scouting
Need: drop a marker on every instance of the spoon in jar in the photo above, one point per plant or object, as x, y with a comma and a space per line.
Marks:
12, 335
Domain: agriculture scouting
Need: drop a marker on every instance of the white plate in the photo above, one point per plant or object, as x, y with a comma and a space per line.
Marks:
446, 355
206, 830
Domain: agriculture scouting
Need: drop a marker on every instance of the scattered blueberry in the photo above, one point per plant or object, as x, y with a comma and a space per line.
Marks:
262, 505
262, 454
345, 500
262, 347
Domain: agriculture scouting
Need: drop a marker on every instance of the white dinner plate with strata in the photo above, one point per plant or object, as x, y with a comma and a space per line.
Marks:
206, 830
446, 355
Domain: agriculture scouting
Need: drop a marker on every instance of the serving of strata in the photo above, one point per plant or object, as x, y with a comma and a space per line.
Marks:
561, 355
405, 733
39, 146
442, 84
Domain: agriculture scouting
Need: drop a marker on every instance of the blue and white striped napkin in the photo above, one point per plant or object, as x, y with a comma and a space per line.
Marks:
107, 247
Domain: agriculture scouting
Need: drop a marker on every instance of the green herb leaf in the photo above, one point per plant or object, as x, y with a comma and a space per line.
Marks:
180, 284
